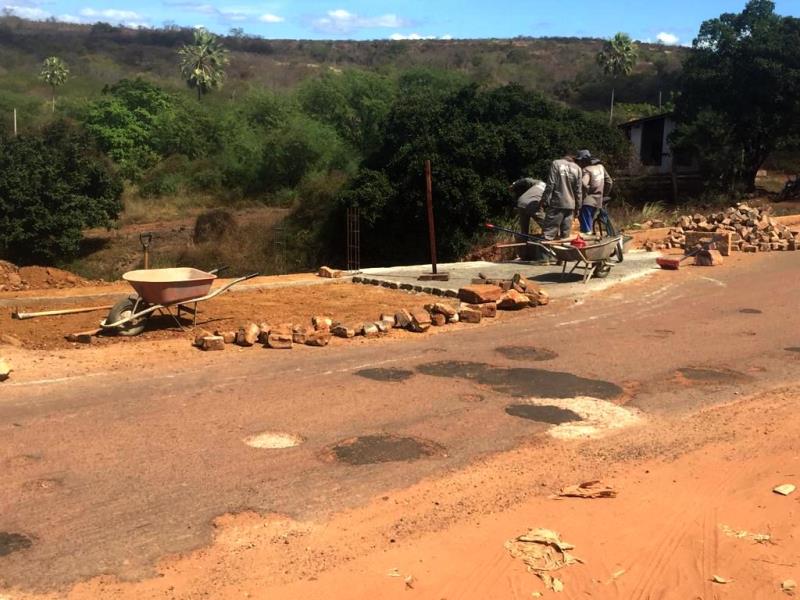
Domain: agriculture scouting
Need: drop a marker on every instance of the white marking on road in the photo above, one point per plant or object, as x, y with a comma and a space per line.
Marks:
380, 362
55, 379
715, 281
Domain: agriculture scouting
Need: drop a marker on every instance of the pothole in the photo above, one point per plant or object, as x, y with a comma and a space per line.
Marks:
13, 542
531, 353
749, 311
373, 449
712, 375
793, 349
391, 374
543, 413
273, 440
578, 417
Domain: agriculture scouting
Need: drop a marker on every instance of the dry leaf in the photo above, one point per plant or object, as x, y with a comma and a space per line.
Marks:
720, 579
785, 489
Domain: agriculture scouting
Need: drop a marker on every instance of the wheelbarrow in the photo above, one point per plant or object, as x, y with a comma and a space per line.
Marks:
593, 258
159, 290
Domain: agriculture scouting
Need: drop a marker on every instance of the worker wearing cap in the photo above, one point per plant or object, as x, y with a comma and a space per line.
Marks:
596, 184
528, 192
562, 196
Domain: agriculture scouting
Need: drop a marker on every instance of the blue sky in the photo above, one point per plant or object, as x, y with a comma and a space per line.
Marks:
670, 22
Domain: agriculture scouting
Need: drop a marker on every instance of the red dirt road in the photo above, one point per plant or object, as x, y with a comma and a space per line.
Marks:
131, 476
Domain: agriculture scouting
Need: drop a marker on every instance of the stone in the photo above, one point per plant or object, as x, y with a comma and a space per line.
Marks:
382, 326
438, 319
543, 298
420, 321
513, 300
480, 294
469, 315
300, 333
343, 331
318, 337
388, 320
370, 330
451, 293
88, 337
765, 246
443, 309
402, 318
247, 335
708, 258
280, 340
199, 334
488, 310
721, 240
356, 279
9, 340
329, 273
212, 342
454, 319
749, 248
5, 370
321, 323
406, 287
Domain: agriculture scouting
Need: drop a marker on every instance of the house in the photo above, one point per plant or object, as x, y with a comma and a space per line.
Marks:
650, 139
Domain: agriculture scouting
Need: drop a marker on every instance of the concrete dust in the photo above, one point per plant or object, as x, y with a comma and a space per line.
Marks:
273, 440
593, 417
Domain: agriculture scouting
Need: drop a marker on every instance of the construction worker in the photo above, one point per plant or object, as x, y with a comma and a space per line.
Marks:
528, 192
596, 184
562, 197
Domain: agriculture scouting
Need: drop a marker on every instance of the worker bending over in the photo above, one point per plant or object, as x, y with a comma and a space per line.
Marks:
528, 192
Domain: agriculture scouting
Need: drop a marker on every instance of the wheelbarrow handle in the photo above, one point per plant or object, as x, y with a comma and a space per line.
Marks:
219, 270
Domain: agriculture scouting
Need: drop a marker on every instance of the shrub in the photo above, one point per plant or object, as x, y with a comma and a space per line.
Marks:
53, 185
212, 225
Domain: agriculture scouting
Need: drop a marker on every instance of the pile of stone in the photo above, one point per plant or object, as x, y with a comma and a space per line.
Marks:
739, 228
477, 302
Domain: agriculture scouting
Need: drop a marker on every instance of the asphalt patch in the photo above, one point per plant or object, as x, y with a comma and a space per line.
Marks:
374, 449
13, 542
385, 374
710, 375
524, 382
526, 353
553, 415
749, 311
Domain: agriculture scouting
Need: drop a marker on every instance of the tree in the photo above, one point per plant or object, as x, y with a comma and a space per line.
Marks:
203, 62
740, 92
53, 184
54, 73
617, 58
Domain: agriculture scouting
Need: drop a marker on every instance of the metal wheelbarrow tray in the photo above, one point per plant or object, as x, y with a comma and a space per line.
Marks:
159, 290
592, 258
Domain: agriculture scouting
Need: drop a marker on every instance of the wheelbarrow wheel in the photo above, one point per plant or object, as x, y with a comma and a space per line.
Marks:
122, 310
601, 270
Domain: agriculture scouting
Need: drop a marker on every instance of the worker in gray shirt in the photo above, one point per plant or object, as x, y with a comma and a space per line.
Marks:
528, 192
596, 184
562, 196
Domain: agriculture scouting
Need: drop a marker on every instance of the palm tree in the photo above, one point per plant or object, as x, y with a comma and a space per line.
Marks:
618, 57
203, 62
54, 73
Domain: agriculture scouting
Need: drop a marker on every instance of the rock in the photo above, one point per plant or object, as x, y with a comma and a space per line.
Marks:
443, 309
370, 330
480, 294
513, 300
438, 319
402, 318
329, 273
708, 258
280, 340
488, 310
247, 335
454, 319
406, 287
469, 315
388, 319
519, 283
199, 335
5, 370
300, 333
88, 337
749, 248
343, 331
318, 337
9, 340
321, 323
785, 489
420, 321
764, 246
383, 326
451, 293
213, 342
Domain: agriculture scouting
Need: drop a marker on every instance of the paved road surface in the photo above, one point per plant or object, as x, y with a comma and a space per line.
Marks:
109, 474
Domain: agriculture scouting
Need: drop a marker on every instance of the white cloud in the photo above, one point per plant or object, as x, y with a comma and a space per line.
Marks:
415, 36
341, 21
270, 18
669, 39
112, 14
70, 19
27, 12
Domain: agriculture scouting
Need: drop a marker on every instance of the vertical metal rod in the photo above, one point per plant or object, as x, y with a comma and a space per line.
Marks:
431, 227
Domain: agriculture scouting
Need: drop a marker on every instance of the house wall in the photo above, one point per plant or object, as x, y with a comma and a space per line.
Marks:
635, 135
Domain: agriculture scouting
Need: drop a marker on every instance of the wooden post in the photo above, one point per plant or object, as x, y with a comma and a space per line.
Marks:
431, 226
15, 122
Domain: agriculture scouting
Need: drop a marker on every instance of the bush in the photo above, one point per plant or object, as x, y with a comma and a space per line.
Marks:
53, 185
212, 225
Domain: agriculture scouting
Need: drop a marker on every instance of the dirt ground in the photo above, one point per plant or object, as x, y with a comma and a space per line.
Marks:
704, 508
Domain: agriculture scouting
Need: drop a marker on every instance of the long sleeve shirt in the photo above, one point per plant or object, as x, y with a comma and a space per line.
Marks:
564, 185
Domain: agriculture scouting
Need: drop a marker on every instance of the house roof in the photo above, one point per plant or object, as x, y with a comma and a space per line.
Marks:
644, 119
